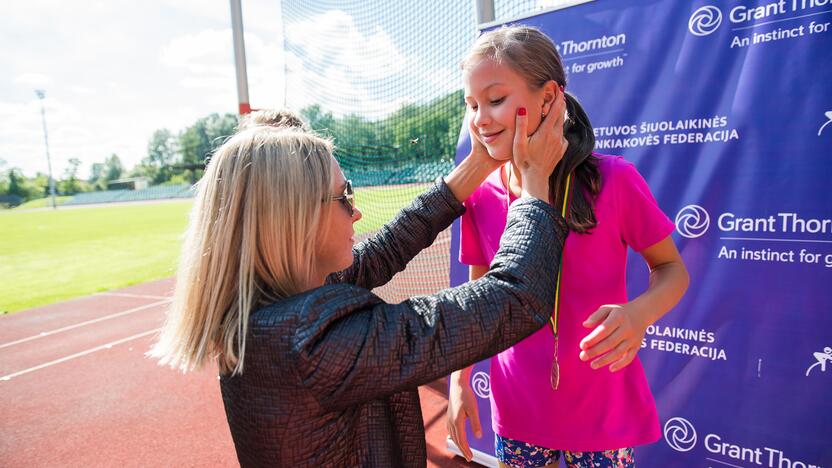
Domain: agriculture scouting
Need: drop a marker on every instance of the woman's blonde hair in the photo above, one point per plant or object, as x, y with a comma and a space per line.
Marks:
272, 117
250, 241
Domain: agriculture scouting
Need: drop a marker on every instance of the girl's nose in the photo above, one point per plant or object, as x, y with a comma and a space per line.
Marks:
481, 118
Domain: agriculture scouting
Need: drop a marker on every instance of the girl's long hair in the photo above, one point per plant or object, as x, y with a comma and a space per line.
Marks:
534, 56
250, 241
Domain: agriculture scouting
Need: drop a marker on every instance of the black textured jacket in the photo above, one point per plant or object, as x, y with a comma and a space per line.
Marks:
330, 375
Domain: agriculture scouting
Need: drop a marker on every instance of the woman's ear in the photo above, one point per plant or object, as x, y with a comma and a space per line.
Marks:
550, 91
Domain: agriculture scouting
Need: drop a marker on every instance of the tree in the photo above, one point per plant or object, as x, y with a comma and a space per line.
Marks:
103, 172
70, 184
4, 178
96, 171
37, 186
113, 168
318, 119
198, 142
17, 184
161, 155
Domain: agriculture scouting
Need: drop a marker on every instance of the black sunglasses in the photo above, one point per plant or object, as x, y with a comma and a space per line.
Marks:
347, 199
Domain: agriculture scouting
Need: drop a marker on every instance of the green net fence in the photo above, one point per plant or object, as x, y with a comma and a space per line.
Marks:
383, 79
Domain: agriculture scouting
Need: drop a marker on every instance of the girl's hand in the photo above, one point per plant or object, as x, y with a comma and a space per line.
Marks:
462, 405
617, 339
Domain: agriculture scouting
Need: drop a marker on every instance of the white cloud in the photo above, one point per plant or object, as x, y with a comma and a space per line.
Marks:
339, 66
337, 38
200, 47
206, 62
33, 80
81, 90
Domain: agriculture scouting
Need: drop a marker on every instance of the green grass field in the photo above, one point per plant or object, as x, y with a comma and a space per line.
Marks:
49, 256
379, 204
43, 202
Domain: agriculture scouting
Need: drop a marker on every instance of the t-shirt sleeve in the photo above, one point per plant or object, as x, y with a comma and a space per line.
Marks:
470, 249
641, 220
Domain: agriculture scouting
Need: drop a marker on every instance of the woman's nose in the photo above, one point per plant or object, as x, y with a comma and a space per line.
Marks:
356, 214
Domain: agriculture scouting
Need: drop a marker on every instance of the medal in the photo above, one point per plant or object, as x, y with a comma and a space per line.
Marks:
554, 374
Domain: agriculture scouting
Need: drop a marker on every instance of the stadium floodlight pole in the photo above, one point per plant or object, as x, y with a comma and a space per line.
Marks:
240, 56
42, 94
485, 11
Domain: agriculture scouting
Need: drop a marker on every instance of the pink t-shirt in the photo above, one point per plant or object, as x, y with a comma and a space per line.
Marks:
592, 410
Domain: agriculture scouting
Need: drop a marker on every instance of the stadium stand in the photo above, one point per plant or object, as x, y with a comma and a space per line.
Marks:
159, 192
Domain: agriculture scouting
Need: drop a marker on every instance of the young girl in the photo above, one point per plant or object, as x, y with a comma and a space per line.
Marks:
579, 394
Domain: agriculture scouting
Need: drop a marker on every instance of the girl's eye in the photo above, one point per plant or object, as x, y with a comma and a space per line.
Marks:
473, 107
496, 102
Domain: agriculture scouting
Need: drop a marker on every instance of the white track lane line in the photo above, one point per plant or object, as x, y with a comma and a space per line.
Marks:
88, 322
77, 355
140, 296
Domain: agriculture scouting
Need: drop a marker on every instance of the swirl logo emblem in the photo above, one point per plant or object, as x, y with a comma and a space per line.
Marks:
705, 20
680, 434
692, 221
481, 383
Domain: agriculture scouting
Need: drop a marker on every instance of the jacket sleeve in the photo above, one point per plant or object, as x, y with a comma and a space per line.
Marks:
388, 252
354, 347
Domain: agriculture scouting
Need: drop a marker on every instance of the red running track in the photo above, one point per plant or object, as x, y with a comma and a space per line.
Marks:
77, 390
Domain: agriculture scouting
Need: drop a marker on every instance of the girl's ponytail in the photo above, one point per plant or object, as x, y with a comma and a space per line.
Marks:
579, 161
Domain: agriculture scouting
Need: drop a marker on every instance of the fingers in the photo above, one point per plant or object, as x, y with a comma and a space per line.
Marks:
520, 135
457, 414
461, 439
599, 334
607, 344
597, 317
613, 355
453, 433
625, 361
602, 331
474, 415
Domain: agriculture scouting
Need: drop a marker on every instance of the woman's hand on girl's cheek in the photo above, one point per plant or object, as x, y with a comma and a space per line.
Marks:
616, 336
478, 151
548, 139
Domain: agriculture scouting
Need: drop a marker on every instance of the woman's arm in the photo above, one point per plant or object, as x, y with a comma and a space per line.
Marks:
622, 326
357, 348
388, 252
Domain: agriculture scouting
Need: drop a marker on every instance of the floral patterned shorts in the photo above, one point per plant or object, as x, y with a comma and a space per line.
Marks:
523, 455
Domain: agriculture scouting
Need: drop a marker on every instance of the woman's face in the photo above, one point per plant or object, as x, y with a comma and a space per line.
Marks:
493, 93
337, 236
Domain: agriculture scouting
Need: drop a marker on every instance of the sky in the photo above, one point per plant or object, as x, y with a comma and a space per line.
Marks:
115, 71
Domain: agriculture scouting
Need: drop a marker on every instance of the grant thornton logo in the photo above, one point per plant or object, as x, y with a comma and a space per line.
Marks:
705, 20
692, 221
481, 383
680, 434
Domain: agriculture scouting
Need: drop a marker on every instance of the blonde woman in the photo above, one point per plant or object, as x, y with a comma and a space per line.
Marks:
315, 370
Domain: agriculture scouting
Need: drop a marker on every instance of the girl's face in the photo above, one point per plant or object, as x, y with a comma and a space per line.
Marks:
493, 93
